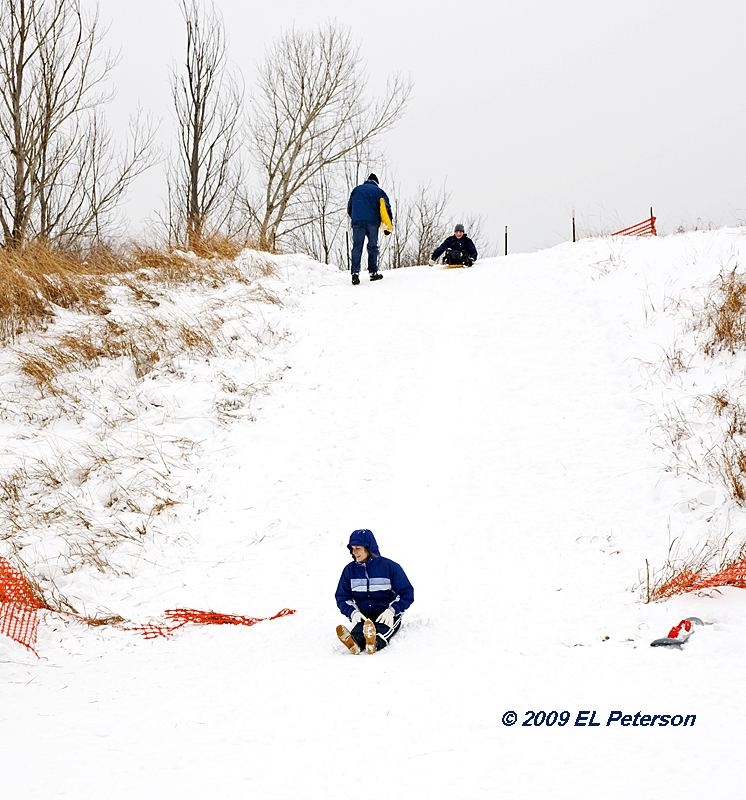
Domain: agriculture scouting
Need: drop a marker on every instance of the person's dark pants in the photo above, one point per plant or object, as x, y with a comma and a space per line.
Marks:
359, 231
457, 257
383, 633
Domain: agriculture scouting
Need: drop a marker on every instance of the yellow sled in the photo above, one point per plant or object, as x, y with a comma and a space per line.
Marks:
456, 266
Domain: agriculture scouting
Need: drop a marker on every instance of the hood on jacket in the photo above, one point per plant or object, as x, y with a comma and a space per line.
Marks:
364, 538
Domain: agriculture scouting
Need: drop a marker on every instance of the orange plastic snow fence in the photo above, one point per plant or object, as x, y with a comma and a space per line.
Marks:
735, 575
19, 621
641, 229
181, 616
18, 607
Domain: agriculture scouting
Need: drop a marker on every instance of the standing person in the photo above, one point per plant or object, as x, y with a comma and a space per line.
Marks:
458, 249
367, 208
373, 592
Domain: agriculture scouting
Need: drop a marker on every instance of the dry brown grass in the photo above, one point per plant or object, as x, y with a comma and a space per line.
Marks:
213, 264
723, 318
144, 344
216, 245
34, 281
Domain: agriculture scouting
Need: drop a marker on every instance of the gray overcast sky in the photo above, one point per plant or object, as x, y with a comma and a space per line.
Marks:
525, 109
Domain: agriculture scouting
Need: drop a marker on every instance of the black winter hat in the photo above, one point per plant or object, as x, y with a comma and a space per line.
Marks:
373, 177
459, 227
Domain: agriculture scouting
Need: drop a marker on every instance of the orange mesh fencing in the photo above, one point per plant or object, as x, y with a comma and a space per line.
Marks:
18, 607
182, 616
734, 575
645, 228
19, 620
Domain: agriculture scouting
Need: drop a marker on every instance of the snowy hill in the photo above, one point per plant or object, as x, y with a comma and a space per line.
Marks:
505, 433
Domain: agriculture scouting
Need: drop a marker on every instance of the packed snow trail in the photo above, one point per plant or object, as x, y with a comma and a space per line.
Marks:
483, 424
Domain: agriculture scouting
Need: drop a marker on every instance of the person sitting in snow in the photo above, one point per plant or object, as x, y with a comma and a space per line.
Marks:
458, 249
373, 592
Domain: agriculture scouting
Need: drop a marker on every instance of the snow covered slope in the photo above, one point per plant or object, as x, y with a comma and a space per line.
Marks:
496, 428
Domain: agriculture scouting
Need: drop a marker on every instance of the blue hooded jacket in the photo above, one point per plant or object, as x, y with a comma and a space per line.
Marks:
375, 585
464, 245
364, 204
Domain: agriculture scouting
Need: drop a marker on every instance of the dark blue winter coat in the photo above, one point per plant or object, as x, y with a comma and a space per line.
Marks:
462, 245
365, 203
374, 585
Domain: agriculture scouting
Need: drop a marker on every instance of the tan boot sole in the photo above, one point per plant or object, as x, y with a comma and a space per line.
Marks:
346, 638
369, 631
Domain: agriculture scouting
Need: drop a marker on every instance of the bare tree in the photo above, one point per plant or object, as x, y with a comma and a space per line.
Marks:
204, 182
52, 71
81, 201
309, 113
426, 212
317, 231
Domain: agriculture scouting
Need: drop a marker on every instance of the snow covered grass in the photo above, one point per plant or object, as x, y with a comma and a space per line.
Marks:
704, 423
107, 409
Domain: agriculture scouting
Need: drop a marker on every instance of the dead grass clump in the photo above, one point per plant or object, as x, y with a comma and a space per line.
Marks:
196, 339
22, 306
169, 266
723, 318
217, 245
42, 371
724, 406
261, 265
176, 267
729, 462
35, 280
71, 352
90, 346
112, 619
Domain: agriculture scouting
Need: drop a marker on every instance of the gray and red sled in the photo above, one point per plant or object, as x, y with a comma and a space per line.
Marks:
679, 634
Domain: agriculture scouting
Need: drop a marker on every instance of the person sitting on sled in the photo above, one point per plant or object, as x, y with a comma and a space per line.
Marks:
373, 592
458, 249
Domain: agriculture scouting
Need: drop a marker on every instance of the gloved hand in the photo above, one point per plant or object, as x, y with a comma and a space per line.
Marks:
356, 618
386, 232
431, 262
386, 618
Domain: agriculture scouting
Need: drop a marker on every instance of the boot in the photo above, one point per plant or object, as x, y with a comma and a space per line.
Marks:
369, 631
355, 279
346, 638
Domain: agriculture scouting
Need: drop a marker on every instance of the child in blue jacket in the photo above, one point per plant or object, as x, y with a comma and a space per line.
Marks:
458, 249
373, 592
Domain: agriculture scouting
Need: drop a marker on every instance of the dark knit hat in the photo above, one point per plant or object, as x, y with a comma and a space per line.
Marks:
373, 177
459, 227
